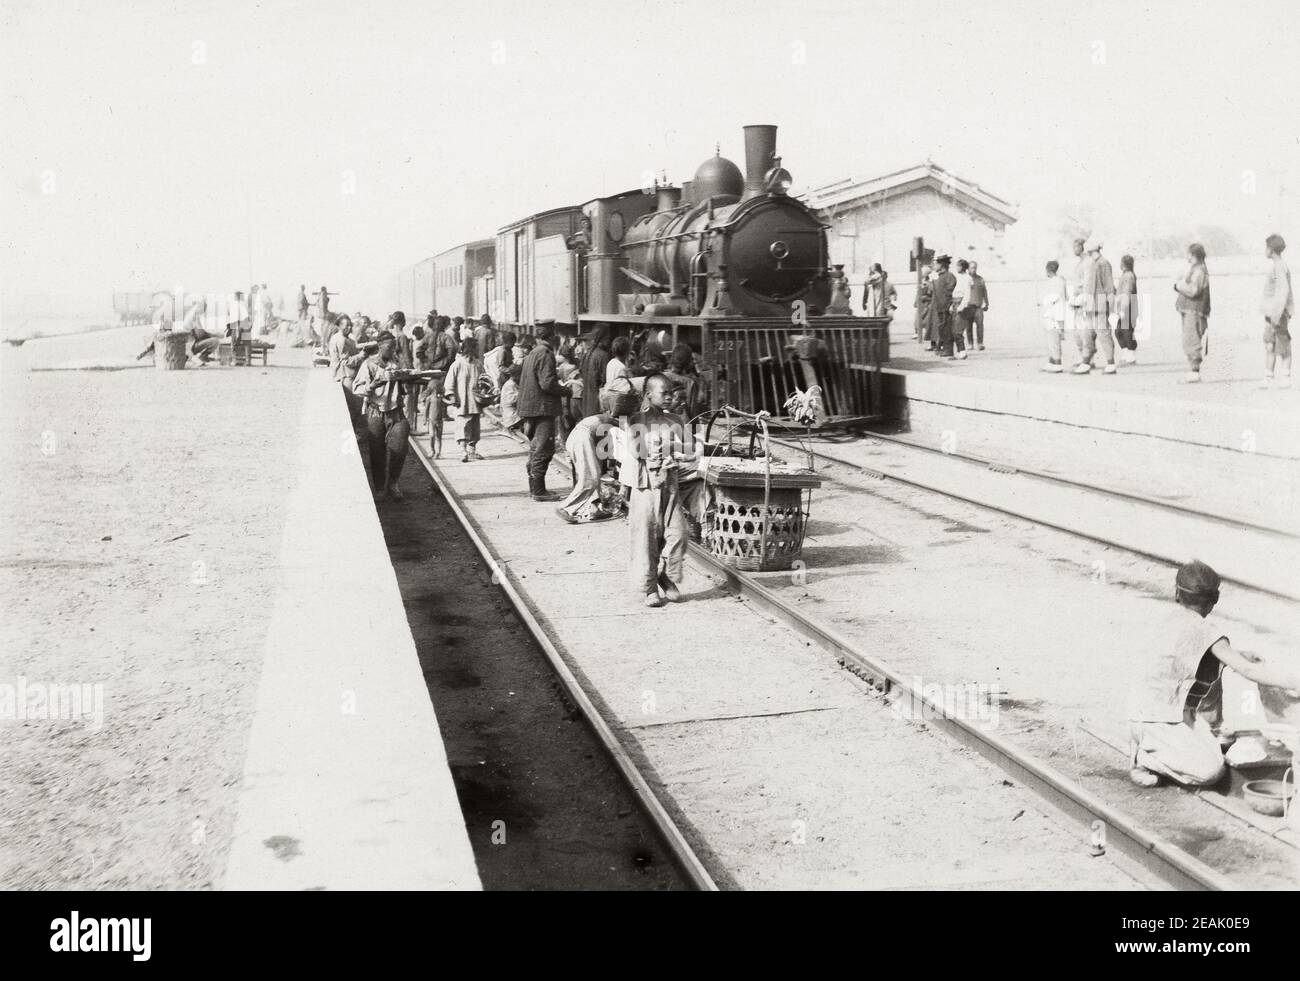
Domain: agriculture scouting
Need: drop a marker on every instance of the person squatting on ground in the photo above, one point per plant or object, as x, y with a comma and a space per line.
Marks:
1176, 678
510, 420
540, 394
1193, 305
1278, 307
1055, 306
462, 391
386, 426
658, 530
1126, 311
589, 445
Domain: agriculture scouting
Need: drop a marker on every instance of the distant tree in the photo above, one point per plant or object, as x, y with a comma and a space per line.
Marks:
1216, 239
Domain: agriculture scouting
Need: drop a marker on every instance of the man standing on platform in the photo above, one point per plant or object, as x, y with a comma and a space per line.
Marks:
405, 345
979, 298
384, 408
1098, 301
1055, 307
485, 336
1076, 321
540, 391
1279, 307
941, 306
922, 304
345, 359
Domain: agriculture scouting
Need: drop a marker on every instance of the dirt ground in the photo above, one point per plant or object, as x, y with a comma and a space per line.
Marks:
139, 527
954, 594
519, 752
784, 770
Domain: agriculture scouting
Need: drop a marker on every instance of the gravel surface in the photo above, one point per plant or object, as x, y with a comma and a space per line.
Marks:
955, 594
543, 805
141, 530
784, 770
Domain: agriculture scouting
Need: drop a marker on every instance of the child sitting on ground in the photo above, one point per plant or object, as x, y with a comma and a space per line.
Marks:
1167, 736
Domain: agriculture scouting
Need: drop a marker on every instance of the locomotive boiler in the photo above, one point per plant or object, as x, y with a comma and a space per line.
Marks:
734, 266
739, 246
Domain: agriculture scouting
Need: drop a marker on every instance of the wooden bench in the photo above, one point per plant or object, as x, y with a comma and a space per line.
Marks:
245, 351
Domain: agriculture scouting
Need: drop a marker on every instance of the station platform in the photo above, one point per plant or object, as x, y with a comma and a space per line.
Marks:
769, 756
200, 549
1225, 410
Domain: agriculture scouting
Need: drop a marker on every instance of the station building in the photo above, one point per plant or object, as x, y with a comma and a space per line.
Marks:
876, 220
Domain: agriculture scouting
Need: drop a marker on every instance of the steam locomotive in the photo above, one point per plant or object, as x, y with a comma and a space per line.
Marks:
729, 264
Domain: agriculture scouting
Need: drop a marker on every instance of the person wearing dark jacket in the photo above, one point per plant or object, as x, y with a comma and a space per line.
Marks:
540, 391
941, 307
592, 371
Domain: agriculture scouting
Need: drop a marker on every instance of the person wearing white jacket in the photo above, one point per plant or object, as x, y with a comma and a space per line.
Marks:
1054, 304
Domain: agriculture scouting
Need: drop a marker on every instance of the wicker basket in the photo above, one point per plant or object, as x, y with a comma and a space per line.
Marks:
757, 519
171, 349
745, 536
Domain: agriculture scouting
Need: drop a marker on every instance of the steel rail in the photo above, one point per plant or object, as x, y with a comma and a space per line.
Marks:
1166, 861
1044, 475
1020, 515
683, 855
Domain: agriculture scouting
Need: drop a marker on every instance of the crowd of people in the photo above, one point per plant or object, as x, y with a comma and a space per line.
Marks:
621, 406
1101, 313
950, 308
1091, 305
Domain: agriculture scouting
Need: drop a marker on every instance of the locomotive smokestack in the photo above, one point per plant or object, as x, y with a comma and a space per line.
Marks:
760, 152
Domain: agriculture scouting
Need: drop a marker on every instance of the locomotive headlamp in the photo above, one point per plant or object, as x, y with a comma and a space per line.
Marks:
778, 180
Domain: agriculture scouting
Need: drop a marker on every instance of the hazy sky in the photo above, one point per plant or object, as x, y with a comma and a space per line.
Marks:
146, 143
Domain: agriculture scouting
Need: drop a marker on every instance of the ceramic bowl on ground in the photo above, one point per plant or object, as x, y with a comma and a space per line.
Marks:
1268, 796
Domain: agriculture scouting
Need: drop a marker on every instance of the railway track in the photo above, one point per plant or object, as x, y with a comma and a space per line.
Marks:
1063, 481
1264, 534
683, 855
1107, 826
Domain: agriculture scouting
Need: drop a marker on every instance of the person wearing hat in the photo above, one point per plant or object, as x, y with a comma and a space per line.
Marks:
592, 369
383, 407
1176, 685
540, 391
1093, 332
1278, 307
941, 292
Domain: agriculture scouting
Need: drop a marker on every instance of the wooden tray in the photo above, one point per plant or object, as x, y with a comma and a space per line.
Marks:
736, 478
